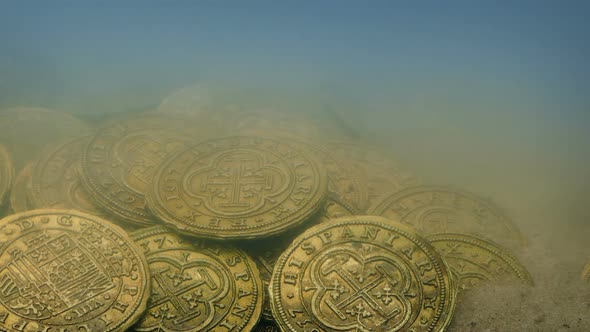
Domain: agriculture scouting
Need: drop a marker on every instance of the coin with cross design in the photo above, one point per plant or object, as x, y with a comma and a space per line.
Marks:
64, 270
238, 188
435, 210
198, 286
361, 273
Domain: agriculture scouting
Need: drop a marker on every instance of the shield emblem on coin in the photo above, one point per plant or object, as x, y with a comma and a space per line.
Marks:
55, 275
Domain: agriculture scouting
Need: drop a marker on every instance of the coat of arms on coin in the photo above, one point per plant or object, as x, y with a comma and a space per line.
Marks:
238, 187
119, 162
63, 270
203, 288
475, 260
435, 210
361, 273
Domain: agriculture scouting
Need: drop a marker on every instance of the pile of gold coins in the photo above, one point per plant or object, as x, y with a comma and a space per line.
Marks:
231, 220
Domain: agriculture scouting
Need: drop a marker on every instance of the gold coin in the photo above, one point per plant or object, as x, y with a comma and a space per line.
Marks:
476, 261
435, 210
198, 287
381, 173
586, 273
238, 188
361, 273
26, 131
119, 162
55, 179
21, 190
6, 175
266, 326
63, 270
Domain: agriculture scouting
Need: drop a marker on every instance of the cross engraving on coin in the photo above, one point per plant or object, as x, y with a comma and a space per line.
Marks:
236, 182
65, 270
475, 261
435, 210
237, 187
198, 289
361, 274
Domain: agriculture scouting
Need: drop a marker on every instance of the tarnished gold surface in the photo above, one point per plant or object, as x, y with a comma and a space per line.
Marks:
63, 270
26, 131
381, 172
436, 210
238, 188
205, 287
120, 161
55, 179
361, 273
6, 175
20, 200
476, 261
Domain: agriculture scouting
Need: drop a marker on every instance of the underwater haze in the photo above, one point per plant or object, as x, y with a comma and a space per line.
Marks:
489, 96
